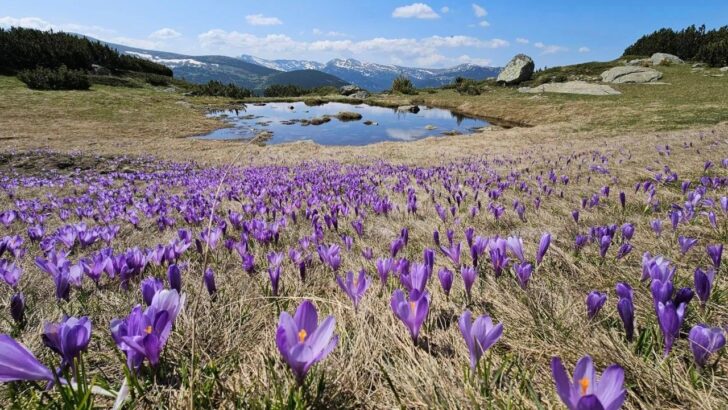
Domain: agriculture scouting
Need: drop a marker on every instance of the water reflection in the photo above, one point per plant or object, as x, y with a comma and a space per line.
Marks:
287, 122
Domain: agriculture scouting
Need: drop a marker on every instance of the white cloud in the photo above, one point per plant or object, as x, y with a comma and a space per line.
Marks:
584, 49
165, 34
415, 10
549, 49
261, 20
479, 11
466, 59
319, 32
522, 40
444, 9
428, 51
484, 23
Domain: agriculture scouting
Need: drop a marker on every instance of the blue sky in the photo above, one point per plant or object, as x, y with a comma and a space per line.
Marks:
426, 34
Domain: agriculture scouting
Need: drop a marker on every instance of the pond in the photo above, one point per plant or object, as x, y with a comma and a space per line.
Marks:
338, 123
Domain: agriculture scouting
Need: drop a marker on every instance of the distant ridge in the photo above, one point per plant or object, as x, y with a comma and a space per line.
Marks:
378, 77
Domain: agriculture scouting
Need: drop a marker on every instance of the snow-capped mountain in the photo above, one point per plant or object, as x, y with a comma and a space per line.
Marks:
378, 77
283, 65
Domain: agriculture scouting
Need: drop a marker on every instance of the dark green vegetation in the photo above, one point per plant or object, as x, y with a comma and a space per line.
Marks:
24, 49
62, 78
692, 43
217, 89
306, 79
289, 90
403, 85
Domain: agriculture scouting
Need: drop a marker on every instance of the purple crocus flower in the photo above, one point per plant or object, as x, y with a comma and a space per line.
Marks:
624, 250
330, 255
10, 273
302, 341
523, 274
499, 260
469, 274
715, 252
604, 242
446, 278
144, 334
704, 341
580, 241
174, 276
543, 246
575, 215
411, 311
384, 266
656, 225
584, 391
68, 338
625, 307
453, 252
209, 278
686, 243
670, 319
17, 363
274, 274
661, 290
627, 231
396, 246
479, 335
703, 283
515, 245
17, 307
622, 199
354, 287
594, 302
150, 286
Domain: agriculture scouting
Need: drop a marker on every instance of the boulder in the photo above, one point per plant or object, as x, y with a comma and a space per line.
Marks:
518, 70
630, 74
571, 87
360, 95
408, 108
664, 58
724, 69
348, 116
349, 89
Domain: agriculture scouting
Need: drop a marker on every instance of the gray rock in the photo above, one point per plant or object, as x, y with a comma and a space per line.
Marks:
571, 87
349, 89
699, 65
408, 108
629, 74
360, 95
518, 70
723, 69
639, 62
664, 58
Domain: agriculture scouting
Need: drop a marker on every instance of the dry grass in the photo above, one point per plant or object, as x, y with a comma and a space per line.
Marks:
375, 364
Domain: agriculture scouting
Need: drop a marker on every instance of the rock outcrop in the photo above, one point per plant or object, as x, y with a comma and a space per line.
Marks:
518, 70
664, 58
630, 74
571, 87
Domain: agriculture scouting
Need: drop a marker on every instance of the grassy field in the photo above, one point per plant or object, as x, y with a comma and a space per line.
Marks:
222, 352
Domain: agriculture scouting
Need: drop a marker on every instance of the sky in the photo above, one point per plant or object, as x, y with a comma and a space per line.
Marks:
417, 34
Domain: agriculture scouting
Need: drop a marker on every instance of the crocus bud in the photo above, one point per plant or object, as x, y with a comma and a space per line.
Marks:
17, 307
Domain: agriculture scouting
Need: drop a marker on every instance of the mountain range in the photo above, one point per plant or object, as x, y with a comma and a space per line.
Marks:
378, 77
256, 73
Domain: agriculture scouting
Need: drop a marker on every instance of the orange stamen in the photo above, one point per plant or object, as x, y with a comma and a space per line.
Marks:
584, 383
412, 307
302, 335
148, 329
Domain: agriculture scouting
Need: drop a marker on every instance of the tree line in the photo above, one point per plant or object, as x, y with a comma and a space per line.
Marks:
28, 49
691, 43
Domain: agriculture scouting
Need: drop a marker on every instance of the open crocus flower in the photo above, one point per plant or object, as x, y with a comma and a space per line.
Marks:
411, 311
302, 341
143, 334
354, 287
704, 341
584, 391
68, 338
479, 335
18, 363
686, 243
